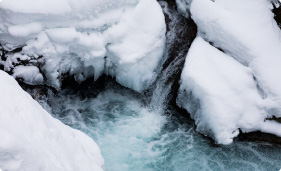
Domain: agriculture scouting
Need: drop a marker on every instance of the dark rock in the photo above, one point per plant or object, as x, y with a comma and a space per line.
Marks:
258, 136
277, 13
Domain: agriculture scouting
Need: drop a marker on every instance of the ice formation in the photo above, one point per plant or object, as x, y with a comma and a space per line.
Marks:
222, 96
32, 140
124, 39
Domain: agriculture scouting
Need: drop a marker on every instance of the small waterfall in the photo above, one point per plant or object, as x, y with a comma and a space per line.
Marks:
130, 136
180, 34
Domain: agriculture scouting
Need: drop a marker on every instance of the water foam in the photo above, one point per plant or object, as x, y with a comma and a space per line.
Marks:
131, 137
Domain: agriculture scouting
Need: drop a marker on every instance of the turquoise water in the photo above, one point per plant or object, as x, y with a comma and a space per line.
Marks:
132, 137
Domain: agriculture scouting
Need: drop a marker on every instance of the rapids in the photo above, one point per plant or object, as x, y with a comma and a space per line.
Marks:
132, 136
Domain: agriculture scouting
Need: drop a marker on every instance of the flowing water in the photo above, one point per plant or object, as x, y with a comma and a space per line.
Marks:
133, 137
139, 132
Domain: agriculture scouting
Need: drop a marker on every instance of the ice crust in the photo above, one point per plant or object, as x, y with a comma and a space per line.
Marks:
124, 39
222, 96
31, 139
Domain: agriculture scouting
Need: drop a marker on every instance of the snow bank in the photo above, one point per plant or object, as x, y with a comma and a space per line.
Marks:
248, 32
124, 39
32, 140
222, 96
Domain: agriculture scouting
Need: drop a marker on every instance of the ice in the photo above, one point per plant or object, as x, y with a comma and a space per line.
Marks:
30, 74
248, 32
124, 39
222, 96
31, 139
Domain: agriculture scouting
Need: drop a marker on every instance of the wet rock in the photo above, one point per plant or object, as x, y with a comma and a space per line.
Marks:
277, 12
180, 34
259, 137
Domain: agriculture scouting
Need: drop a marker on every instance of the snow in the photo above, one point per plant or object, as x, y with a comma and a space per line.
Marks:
32, 140
62, 35
40, 6
30, 74
138, 43
25, 29
124, 39
53, 7
248, 32
222, 96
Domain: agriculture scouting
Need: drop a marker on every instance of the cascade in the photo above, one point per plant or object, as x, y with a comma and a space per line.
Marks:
146, 131
181, 32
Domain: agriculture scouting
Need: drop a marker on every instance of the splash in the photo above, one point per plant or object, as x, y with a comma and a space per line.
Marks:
132, 137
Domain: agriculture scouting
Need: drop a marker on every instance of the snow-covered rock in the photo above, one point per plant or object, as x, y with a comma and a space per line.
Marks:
248, 32
30, 139
30, 74
124, 39
222, 96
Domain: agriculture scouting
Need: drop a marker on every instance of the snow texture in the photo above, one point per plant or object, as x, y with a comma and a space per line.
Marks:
32, 140
248, 32
124, 39
222, 96
25, 30
30, 74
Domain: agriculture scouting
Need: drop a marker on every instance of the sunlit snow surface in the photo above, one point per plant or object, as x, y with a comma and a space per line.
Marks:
131, 137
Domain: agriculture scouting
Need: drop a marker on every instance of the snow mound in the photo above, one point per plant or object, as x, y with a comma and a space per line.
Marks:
248, 32
30, 74
124, 39
222, 96
32, 140
138, 43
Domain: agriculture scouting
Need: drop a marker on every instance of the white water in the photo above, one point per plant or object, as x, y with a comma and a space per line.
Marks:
131, 137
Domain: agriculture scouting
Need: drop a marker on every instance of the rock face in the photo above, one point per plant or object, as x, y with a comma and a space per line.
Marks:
277, 12
32, 140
